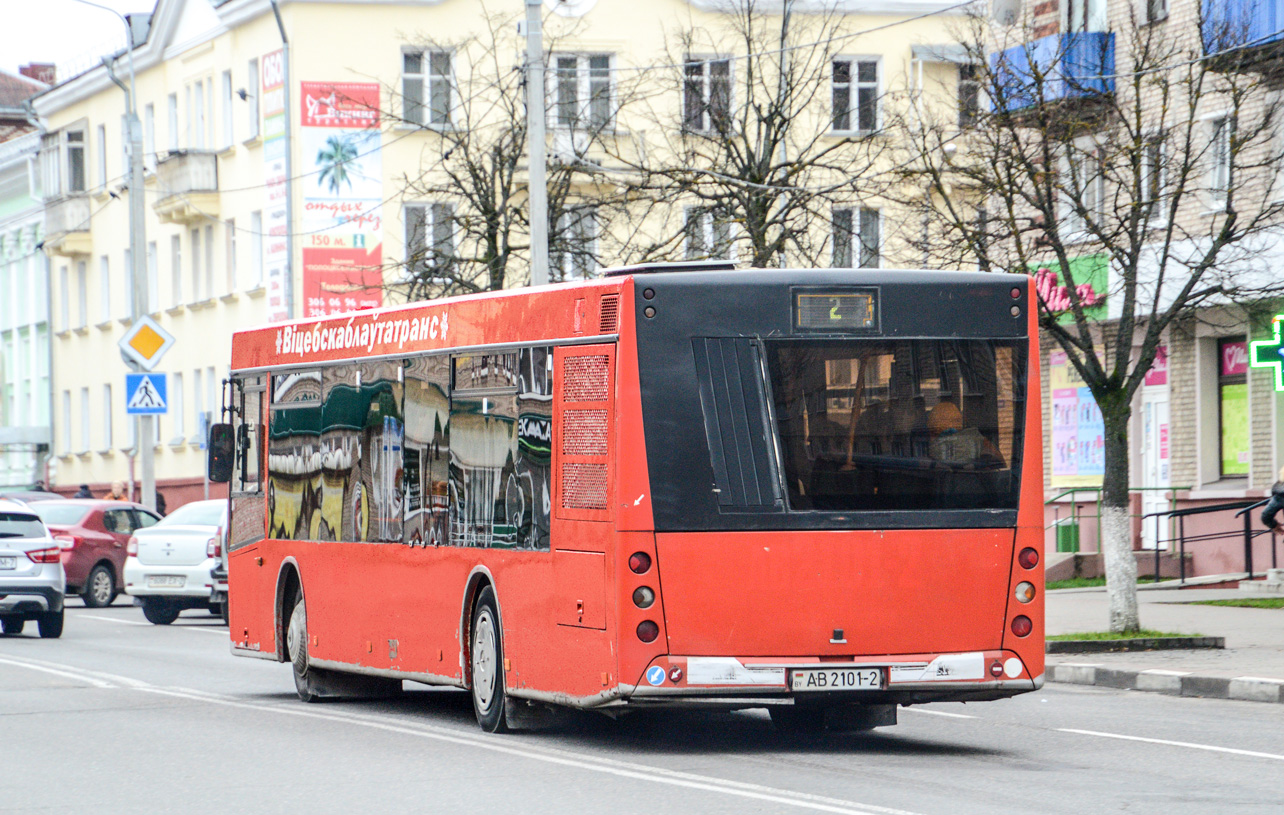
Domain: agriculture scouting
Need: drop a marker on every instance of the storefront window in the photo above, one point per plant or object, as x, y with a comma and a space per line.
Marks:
1232, 399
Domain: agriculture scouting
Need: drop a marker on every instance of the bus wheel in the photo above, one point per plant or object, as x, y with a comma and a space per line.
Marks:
487, 658
798, 721
296, 646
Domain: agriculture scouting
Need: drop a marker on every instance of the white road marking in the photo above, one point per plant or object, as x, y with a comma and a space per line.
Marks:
938, 713
1187, 744
84, 674
109, 619
97, 683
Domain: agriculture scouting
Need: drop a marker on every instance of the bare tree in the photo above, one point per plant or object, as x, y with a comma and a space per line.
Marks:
769, 137
472, 231
1131, 145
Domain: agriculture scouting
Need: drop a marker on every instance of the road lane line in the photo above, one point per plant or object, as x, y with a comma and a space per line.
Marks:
109, 619
570, 759
1187, 744
938, 713
114, 680
97, 683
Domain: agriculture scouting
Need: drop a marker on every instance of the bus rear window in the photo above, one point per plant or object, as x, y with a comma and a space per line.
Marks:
884, 425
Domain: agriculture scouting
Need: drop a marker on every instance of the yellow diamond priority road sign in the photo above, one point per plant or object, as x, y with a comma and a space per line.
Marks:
146, 342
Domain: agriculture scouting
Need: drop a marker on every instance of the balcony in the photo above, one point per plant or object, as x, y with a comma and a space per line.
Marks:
1058, 69
187, 186
67, 225
1243, 34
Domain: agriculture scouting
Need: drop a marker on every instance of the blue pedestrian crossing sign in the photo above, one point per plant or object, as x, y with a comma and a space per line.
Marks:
146, 394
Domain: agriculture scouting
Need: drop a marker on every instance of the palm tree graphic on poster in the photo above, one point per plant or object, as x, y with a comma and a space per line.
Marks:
335, 160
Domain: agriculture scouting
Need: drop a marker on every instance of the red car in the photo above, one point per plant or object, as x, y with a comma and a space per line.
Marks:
93, 535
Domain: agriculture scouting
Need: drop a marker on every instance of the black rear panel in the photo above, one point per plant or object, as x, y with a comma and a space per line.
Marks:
715, 457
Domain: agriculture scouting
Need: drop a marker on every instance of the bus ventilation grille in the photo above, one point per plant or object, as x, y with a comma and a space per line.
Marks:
609, 320
584, 432
584, 486
585, 379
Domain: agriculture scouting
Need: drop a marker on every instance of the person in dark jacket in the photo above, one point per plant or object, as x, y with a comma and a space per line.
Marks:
1274, 505
83, 492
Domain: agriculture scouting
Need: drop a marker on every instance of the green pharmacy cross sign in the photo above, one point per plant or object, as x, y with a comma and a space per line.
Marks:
1270, 353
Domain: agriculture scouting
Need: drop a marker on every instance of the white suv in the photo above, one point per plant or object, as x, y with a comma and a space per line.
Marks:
31, 577
169, 567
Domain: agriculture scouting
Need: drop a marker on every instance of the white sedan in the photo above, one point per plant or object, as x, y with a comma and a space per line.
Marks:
169, 566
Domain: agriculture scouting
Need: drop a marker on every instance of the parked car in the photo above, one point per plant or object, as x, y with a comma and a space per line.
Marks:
93, 534
170, 566
29, 496
31, 581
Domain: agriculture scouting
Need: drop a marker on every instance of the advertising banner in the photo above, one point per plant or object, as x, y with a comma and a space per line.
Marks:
342, 222
276, 258
1078, 432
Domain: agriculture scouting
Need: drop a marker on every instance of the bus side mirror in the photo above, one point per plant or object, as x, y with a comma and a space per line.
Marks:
221, 449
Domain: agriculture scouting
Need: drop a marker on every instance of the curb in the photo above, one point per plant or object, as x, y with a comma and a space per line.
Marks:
1172, 683
1146, 644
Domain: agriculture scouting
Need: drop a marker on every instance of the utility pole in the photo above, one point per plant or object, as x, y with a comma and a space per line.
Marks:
146, 436
289, 168
538, 187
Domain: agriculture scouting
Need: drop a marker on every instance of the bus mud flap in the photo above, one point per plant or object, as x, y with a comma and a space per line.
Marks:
327, 684
525, 714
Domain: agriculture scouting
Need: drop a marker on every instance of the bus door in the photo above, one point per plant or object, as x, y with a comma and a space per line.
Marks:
582, 482
250, 624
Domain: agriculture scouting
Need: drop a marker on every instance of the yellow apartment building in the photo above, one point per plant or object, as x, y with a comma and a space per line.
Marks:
374, 88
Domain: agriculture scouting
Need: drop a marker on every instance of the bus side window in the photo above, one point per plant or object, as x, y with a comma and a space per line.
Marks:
426, 452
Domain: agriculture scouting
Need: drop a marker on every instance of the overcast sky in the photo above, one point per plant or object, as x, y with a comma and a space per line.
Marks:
64, 32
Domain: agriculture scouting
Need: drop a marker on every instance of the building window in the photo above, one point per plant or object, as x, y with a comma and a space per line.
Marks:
856, 238
251, 96
1219, 157
82, 294
66, 422
129, 285
196, 405
1153, 174
104, 288
75, 161
428, 71
176, 406
256, 248
149, 138
172, 107
855, 95
229, 227
708, 234
706, 95
196, 265
969, 95
425, 223
102, 157
226, 89
176, 269
1156, 10
107, 413
574, 245
1232, 401
85, 415
583, 91
209, 261
64, 294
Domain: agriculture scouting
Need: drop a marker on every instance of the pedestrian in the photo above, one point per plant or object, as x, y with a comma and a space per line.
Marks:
160, 503
1274, 505
83, 492
117, 492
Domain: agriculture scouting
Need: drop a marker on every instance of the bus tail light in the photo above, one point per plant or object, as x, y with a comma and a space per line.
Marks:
1024, 592
213, 548
648, 631
643, 597
1021, 626
131, 548
51, 555
639, 563
67, 541
1029, 558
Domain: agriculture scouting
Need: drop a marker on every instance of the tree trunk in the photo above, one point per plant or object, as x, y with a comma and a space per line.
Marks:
1116, 521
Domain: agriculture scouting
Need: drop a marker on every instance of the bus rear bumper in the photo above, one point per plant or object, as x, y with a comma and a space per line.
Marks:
905, 679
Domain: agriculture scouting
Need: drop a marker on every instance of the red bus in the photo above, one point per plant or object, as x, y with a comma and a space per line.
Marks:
815, 491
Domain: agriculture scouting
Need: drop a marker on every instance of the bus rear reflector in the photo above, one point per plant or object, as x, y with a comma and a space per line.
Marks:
1025, 591
1028, 558
639, 563
643, 597
648, 631
1021, 626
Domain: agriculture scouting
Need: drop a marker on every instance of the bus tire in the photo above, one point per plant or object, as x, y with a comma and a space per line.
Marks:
486, 659
296, 647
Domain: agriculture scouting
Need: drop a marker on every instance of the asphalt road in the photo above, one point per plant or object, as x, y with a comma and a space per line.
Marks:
120, 716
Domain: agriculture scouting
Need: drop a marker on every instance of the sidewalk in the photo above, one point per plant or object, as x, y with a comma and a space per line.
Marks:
1251, 667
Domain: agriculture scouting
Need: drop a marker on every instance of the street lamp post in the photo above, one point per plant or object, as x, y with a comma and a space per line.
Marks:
137, 248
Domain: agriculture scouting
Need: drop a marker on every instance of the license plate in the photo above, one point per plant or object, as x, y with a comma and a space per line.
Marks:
166, 581
8, 562
822, 679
